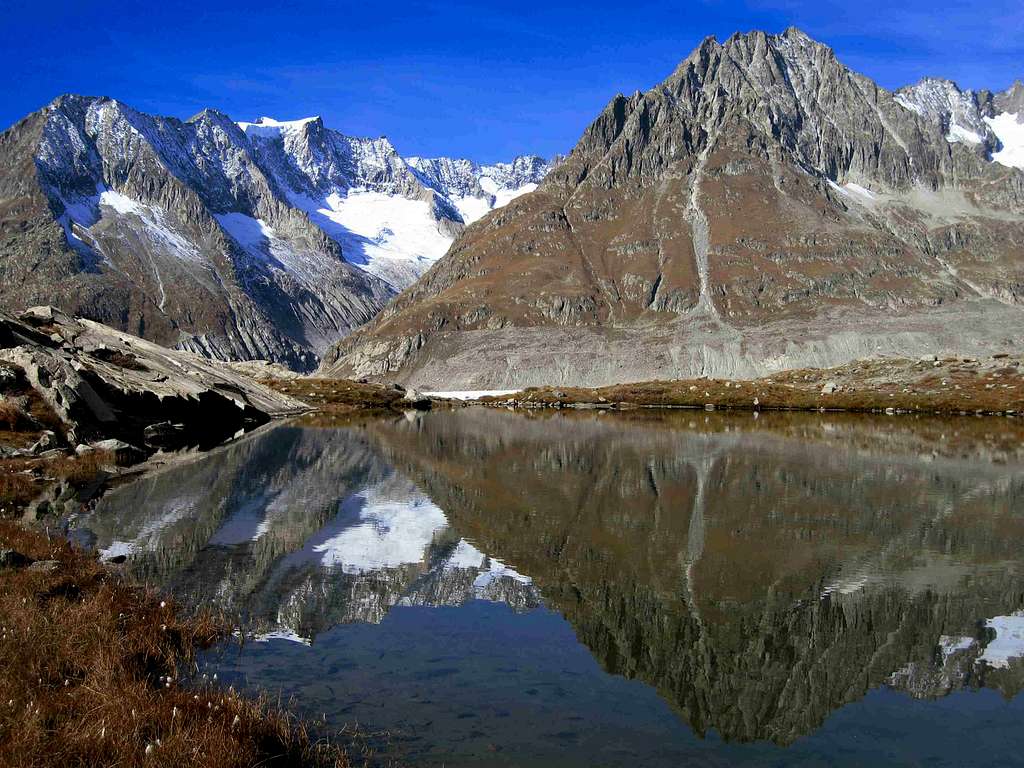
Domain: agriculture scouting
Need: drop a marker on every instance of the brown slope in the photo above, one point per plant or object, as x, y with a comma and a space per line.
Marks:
706, 226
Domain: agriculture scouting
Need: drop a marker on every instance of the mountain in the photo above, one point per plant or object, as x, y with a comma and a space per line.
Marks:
265, 240
475, 190
393, 217
764, 207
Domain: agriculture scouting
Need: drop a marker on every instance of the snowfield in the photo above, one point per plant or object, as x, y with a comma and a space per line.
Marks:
1009, 129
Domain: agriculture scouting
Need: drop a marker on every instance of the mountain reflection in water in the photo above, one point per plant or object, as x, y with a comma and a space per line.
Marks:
759, 574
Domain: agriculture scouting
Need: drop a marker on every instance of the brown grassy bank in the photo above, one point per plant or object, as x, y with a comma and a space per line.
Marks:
338, 395
949, 386
90, 675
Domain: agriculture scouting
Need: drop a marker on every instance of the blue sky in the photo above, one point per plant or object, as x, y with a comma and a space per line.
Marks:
483, 80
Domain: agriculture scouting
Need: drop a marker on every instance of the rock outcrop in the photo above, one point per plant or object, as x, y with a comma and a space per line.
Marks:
104, 384
764, 207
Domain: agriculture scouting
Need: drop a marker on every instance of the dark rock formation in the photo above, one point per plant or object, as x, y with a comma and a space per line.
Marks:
102, 383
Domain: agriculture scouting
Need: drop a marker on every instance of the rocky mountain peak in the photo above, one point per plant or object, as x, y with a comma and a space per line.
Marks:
958, 114
1012, 100
763, 184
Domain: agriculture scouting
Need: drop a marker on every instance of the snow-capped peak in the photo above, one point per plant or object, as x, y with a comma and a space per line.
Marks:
268, 126
957, 112
475, 189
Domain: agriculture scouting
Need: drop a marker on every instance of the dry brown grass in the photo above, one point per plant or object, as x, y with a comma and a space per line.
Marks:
338, 395
90, 675
23, 479
12, 418
952, 386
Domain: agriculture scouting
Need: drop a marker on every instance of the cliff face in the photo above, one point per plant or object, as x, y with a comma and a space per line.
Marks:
763, 207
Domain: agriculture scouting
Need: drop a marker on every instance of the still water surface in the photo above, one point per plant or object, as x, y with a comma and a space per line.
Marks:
479, 587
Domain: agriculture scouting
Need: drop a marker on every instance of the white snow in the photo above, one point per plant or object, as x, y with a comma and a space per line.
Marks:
853, 190
904, 102
268, 126
374, 532
386, 235
957, 133
89, 211
1009, 129
1009, 640
472, 394
120, 203
249, 232
503, 195
471, 208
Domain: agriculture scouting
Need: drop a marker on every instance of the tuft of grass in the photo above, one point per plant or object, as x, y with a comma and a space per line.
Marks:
91, 673
13, 418
23, 479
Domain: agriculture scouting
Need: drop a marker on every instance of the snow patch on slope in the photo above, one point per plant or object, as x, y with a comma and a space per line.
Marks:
389, 236
268, 126
1009, 640
853, 190
504, 195
1009, 129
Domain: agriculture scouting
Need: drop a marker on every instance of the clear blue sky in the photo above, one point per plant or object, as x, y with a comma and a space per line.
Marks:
483, 80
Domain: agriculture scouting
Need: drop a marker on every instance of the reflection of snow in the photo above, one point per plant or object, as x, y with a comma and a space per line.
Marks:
281, 634
149, 534
950, 645
1009, 640
372, 532
491, 570
472, 394
247, 523
849, 583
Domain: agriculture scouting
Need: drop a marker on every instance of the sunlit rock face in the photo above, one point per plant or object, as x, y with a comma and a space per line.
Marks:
764, 207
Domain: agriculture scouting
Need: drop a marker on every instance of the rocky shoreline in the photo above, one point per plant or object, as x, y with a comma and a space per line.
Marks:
951, 386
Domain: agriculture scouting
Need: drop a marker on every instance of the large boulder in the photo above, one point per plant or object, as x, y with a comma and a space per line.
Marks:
102, 383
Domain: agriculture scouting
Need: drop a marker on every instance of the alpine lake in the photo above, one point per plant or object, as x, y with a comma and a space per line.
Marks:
478, 587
